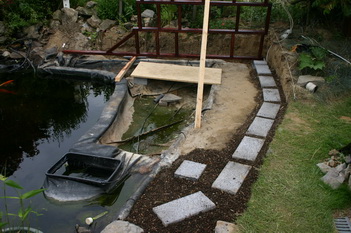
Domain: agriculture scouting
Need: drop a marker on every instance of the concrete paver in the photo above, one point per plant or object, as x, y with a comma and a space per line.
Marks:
231, 177
267, 81
263, 70
259, 62
260, 127
182, 208
190, 170
269, 110
271, 95
248, 148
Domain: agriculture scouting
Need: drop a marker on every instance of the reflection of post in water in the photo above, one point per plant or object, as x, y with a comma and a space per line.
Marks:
42, 109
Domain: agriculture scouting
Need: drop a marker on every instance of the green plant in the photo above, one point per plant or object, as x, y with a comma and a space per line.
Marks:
168, 13
313, 59
23, 211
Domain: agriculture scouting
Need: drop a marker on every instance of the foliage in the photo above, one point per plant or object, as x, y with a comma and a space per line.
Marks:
23, 211
168, 13
328, 6
315, 59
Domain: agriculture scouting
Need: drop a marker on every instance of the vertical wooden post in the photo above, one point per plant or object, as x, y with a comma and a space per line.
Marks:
66, 4
200, 85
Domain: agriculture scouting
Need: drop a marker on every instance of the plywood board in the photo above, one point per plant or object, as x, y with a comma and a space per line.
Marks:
176, 73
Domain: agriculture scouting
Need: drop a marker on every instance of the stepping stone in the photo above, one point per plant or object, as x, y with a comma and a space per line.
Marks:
231, 177
268, 110
248, 148
271, 95
182, 208
267, 81
260, 127
190, 170
226, 227
263, 70
259, 62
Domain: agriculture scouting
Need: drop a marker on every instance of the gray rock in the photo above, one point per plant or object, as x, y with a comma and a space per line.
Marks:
87, 12
91, 4
304, 79
2, 27
128, 25
32, 31
341, 167
54, 24
51, 52
119, 226
69, 16
6, 54
148, 13
106, 24
3, 39
170, 98
348, 159
323, 167
37, 56
18, 55
94, 21
333, 178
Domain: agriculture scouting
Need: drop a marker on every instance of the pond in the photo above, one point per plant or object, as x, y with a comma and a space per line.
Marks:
41, 117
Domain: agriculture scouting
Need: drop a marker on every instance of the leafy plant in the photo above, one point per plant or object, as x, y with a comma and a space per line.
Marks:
23, 211
314, 59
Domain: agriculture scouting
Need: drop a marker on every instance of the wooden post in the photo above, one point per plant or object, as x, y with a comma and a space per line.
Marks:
200, 85
66, 4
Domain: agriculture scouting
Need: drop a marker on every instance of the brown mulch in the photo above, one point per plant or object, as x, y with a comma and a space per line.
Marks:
165, 187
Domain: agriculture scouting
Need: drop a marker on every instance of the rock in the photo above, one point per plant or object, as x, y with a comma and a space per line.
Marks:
80, 229
94, 21
54, 24
134, 19
169, 98
341, 167
147, 22
85, 12
32, 31
91, 4
6, 54
324, 167
57, 15
18, 55
348, 159
3, 39
69, 16
37, 56
128, 25
226, 227
148, 13
334, 178
2, 28
51, 52
304, 79
332, 163
106, 24
119, 226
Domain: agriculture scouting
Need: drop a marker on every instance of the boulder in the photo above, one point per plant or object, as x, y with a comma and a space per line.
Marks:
3, 39
323, 167
334, 178
85, 12
106, 24
94, 21
90, 4
69, 16
148, 13
32, 31
37, 56
57, 15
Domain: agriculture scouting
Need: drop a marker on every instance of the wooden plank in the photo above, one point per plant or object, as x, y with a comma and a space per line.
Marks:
200, 84
176, 73
124, 70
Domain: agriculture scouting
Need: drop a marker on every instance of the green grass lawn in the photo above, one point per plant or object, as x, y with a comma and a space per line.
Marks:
288, 195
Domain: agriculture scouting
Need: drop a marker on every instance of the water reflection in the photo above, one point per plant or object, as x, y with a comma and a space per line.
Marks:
34, 109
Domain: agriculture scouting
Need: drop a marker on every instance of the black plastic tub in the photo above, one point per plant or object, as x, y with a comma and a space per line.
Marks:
83, 176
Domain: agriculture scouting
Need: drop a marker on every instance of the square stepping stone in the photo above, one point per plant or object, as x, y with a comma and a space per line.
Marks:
267, 81
259, 62
263, 70
248, 148
268, 110
182, 208
260, 126
271, 95
190, 170
231, 177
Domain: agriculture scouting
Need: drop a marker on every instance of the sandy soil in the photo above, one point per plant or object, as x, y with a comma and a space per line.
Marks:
234, 100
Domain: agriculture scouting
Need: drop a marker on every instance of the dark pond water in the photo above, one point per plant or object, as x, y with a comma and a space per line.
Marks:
41, 117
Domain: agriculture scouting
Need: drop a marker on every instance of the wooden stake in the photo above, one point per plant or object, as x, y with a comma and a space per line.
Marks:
200, 85
124, 70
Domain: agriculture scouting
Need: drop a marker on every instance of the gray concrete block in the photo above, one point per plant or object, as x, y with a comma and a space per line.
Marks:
271, 95
119, 226
226, 227
263, 70
190, 170
182, 208
267, 81
259, 62
248, 148
260, 127
140, 81
268, 110
231, 177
